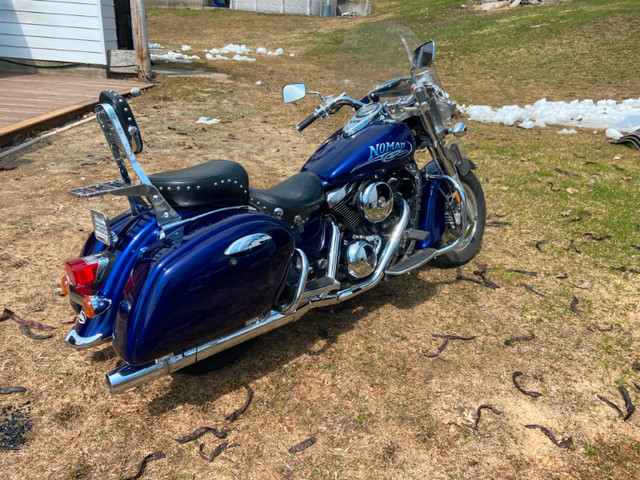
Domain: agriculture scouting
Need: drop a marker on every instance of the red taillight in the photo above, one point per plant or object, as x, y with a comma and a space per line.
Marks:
82, 273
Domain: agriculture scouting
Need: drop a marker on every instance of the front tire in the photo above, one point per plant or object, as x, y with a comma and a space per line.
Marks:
476, 220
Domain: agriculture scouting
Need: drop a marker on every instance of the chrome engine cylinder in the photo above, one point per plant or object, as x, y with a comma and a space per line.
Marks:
361, 259
376, 201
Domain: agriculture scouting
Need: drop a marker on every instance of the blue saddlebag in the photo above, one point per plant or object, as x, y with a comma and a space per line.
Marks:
185, 290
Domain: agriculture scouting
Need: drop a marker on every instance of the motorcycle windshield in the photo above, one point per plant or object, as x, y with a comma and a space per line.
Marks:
374, 55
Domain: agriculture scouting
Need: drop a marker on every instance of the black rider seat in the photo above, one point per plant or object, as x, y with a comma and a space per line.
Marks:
218, 182
293, 200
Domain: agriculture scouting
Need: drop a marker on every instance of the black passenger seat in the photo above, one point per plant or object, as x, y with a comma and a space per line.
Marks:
218, 182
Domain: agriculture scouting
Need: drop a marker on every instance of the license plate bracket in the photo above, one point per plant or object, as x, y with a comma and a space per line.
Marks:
101, 228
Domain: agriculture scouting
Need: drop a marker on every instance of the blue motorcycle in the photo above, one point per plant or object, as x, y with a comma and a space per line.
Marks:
202, 263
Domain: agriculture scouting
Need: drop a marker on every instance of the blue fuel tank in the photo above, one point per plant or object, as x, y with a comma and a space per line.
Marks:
378, 148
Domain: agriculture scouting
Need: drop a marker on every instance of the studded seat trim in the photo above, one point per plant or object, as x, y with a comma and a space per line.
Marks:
218, 182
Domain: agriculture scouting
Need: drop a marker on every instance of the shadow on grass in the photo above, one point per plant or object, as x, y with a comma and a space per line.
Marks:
277, 348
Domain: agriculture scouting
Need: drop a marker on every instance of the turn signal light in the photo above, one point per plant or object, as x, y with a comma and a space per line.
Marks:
65, 285
92, 306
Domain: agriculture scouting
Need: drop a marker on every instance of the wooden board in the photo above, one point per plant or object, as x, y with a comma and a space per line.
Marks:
31, 102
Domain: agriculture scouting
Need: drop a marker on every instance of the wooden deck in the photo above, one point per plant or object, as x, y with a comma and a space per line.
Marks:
36, 102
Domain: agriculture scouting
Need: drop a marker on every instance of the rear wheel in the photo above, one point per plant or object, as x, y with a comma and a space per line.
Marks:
476, 219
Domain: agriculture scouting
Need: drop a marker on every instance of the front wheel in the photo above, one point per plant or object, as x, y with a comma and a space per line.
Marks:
476, 219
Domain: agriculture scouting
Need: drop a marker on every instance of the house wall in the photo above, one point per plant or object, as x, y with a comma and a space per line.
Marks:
77, 31
294, 7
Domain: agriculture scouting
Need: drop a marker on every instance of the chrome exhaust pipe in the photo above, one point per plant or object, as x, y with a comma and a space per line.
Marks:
130, 376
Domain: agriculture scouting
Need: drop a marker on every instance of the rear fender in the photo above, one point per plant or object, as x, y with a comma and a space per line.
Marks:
186, 290
135, 234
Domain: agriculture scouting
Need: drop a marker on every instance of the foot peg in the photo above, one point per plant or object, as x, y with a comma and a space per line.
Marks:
417, 235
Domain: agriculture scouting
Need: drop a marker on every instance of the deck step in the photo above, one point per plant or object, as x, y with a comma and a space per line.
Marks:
414, 261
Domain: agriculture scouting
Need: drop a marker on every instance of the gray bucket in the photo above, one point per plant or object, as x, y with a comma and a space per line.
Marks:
326, 10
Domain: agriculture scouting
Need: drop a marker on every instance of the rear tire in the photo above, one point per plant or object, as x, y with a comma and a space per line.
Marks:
476, 220
219, 360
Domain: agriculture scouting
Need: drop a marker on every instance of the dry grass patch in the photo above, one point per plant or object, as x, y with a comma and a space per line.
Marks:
378, 407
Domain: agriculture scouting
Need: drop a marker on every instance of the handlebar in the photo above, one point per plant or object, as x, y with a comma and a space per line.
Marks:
306, 122
329, 108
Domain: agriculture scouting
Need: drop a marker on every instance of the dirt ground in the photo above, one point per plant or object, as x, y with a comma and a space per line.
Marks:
370, 394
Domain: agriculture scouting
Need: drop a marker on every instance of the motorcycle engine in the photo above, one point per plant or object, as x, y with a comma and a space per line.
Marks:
363, 210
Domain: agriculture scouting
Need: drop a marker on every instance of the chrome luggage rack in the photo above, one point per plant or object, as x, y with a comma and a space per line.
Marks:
98, 189
119, 145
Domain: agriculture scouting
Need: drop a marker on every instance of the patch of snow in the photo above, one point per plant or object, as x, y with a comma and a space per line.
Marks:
240, 52
207, 120
174, 57
487, 7
631, 123
217, 57
527, 125
624, 116
613, 133
186, 48
231, 48
243, 58
564, 131
155, 46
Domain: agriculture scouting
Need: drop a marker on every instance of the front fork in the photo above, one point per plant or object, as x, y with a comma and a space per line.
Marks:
432, 124
449, 160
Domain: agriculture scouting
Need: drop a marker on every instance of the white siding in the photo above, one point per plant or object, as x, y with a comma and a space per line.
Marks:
58, 30
293, 7
109, 25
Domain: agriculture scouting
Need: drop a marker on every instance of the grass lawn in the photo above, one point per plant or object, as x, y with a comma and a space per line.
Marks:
565, 207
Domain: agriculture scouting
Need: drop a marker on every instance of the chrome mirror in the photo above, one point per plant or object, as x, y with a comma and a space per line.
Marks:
424, 55
293, 92
458, 130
